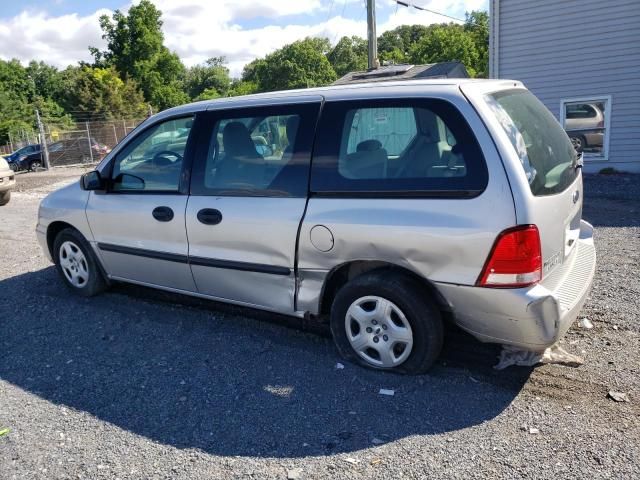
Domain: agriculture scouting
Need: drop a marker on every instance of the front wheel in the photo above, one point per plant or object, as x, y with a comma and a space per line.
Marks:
77, 264
4, 198
385, 320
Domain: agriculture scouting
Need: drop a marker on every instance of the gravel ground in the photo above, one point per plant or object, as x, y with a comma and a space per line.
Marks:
142, 384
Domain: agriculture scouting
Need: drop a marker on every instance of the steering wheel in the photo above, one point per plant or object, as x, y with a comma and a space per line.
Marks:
161, 159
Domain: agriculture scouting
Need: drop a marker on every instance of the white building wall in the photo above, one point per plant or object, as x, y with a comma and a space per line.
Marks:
567, 49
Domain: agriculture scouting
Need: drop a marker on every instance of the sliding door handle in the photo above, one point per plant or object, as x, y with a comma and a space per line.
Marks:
209, 216
162, 214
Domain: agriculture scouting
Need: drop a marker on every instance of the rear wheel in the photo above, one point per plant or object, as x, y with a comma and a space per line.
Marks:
35, 165
4, 198
77, 264
387, 321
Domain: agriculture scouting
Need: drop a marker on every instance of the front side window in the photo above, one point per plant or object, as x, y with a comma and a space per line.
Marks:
545, 152
153, 160
257, 152
401, 146
585, 122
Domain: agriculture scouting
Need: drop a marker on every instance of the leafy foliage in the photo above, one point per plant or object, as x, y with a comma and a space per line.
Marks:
17, 94
418, 44
349, 55
445, 43
242, 87
207, 81
477, 26
100, 92
297, 65
394, 45
135, 48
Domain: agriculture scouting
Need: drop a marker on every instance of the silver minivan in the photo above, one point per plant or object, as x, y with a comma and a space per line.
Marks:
379, 208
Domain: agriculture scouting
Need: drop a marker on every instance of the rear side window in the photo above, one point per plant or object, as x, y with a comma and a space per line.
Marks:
396, 147
544, 149
249, 153
262, 151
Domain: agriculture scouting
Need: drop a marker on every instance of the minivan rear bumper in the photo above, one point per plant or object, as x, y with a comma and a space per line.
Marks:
532, 318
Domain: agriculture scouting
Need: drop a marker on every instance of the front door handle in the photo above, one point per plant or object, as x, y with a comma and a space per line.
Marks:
162, 214
209, 216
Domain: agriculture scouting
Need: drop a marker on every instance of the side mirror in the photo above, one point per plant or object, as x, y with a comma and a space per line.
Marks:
92, 181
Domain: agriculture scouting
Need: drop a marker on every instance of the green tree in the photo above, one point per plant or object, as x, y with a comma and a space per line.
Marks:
251, 69
16, 94
132, 39
15, 80
447, 42
395, 45
468, 43
48, 80
135, 48
207, 81
242, 87
162, 81
101, 93
297, 65
349, 55
477, 25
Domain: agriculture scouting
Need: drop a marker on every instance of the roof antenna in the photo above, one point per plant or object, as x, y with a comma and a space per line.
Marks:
372, 40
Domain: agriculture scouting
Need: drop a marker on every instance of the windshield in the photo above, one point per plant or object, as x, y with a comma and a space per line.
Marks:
546, 153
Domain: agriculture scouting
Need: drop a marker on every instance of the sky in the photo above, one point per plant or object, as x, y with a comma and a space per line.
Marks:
59, 32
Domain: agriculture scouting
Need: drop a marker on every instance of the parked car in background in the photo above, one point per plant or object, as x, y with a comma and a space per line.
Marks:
16, 157
365, 206
7, 181
99, 149
584, 123
66, 152
32, 162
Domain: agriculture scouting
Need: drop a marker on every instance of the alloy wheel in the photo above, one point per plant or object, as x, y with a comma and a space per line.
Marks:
74, 264
378, 331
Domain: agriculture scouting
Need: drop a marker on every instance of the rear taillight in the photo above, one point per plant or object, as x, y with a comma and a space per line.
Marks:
515, 259
600, 124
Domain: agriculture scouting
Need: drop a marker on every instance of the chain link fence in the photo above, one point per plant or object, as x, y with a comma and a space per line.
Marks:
18, 141
78, 144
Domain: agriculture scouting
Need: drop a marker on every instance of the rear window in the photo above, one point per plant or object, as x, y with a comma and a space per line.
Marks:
545, 151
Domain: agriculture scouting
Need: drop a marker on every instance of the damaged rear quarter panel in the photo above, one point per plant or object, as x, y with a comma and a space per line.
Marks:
441, 239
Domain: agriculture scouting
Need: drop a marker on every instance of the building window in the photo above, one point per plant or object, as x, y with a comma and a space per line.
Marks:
586, 121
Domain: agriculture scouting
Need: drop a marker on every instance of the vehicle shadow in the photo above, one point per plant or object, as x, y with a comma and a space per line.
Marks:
198, 374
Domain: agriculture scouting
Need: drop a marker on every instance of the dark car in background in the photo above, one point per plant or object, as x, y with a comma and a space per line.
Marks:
69, 151
19, 155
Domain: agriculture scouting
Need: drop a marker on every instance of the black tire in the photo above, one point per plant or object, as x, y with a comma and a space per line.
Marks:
95, 283
4, 198
412, 299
